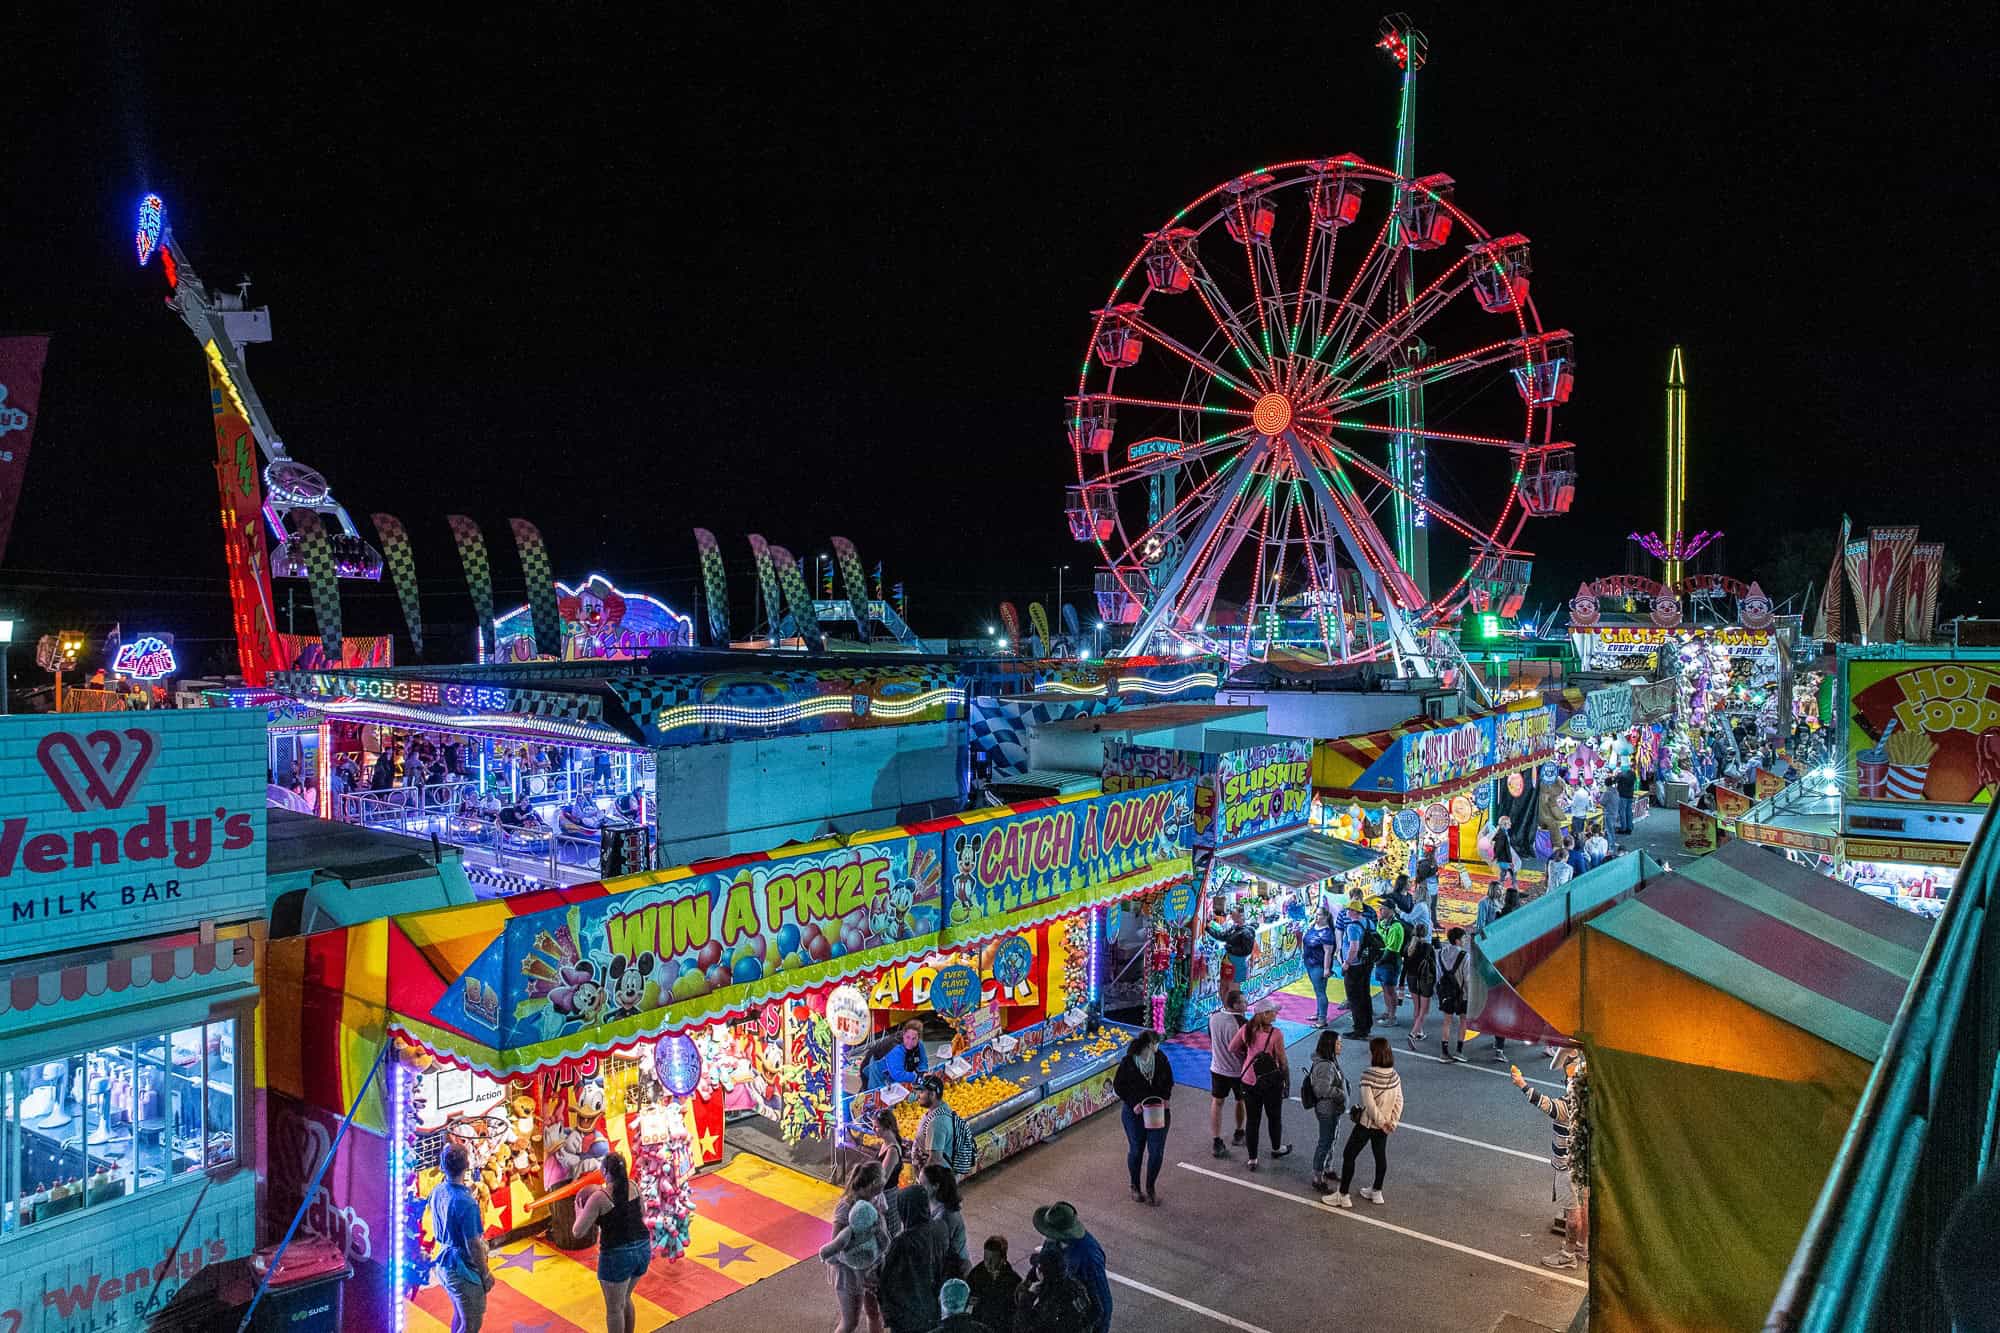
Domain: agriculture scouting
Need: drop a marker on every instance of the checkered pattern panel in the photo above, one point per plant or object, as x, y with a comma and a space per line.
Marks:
1000, 728
714, 587
478, 572
320, 577
767, 584
403, 572
856, 580
541, 587
805, 619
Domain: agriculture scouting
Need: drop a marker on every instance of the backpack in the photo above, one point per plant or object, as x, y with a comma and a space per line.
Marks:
1450, 990
1335, 1096
1371, 937
963, 1149
1421, 969
1240, 941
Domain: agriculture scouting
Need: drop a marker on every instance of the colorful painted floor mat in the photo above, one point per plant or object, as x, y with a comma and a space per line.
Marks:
753, 1218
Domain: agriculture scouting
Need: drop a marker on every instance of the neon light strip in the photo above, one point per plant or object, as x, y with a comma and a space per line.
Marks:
702, 715
920, 703
604, 737
221, 370
398, 1213
1141, 685
1064, 687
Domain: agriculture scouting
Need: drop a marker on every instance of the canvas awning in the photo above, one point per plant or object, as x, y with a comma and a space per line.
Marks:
1299, 860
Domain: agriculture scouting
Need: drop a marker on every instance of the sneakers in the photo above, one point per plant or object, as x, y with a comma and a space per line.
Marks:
1560, 1259
1337, 1200
1238, 1140
1252, 1164
1374, 1196
1318, 1183
1499, 1055
1281, 1152
1220, 1150
1444, 1053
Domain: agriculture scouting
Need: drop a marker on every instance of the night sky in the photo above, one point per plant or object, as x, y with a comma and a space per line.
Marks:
829, 270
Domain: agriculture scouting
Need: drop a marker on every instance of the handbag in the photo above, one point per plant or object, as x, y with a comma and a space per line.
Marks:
1153, 1113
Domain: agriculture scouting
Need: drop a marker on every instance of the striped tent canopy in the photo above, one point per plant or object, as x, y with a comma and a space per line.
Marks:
1731, 1012
1341, 765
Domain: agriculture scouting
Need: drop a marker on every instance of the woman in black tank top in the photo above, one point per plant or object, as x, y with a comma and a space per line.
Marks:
624, 1242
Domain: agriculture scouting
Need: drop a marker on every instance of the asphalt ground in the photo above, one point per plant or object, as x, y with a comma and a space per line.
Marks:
1456, 1247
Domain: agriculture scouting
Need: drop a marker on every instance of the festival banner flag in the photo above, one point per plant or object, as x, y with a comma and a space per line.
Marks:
1038, 622
856, 581
805, 616
1010, 623
542, 608
1920, 591
1729, 802
714, 587
21, 361
1826, 627
309, 536
1855, 556
402, 564
478, 574
1888, 554
1070, 624
240, 486
767, 586
1769, 784
1700, 831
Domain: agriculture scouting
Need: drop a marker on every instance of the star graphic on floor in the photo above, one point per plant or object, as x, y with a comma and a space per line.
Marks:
524, 1258
542, 1327
725, 1254
709, 1191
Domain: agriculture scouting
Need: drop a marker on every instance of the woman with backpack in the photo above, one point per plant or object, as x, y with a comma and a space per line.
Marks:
1267, 1075
1144, 1076
1454, 969
1420, 974
1324, 1093
1375, 1118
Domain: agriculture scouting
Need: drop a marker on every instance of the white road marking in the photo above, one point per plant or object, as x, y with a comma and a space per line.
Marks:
1541, 1158
1185, 1304
1356, 1215
1475, 1066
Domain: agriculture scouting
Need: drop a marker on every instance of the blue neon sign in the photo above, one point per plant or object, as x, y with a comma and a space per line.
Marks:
152, 217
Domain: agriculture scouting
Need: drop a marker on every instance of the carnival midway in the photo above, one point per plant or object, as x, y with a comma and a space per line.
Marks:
1293, 924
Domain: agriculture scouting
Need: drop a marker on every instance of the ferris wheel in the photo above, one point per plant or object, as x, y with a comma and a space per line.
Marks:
1316, 413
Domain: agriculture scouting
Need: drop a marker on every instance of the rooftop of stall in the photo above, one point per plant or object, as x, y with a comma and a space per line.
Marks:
1077, 743
352, 873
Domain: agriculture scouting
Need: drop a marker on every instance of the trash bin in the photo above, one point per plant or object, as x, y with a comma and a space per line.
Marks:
304, 1291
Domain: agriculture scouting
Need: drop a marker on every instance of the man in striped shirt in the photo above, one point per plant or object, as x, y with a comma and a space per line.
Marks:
1571, 1224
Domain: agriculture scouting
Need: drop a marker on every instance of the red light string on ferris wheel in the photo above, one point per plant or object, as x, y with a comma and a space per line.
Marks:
1428, 371
1208, 547
1150, 331
1256, 282
1147, 467
1448, 437
1202, 282
1375, 474
1169, 404
1347, 300
1305, 267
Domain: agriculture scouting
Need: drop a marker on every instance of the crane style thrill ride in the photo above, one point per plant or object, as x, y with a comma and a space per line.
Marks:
1255, 424
282, 489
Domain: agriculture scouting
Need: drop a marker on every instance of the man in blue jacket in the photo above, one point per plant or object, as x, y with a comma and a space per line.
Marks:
1082, 1255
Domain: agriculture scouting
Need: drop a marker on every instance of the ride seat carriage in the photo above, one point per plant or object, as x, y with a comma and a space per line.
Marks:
1166, 267
1092, 513
1552, 489
1500, 273
1547, 369
1117, 345
1115, 606
1337, 200
1088, 424
1426, 222
1250, 220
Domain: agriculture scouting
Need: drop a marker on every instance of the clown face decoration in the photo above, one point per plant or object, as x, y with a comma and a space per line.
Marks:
1754, 609
1583, 607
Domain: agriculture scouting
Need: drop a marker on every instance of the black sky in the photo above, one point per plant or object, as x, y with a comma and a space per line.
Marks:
827, 269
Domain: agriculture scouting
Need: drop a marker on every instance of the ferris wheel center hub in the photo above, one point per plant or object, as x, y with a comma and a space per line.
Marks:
1271, 414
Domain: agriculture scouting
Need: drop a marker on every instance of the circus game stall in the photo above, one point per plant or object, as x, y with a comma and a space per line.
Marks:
1436, 785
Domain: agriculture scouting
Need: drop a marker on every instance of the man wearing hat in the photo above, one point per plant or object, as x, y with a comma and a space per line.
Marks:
1082, 1255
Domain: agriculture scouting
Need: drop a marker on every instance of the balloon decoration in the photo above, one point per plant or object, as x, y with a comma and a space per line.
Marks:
677, 1063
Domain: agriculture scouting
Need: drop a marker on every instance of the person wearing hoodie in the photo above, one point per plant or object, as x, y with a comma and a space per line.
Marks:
1082, 1256
993, 1284
1144, 1076
952, 1302
1375, 1118
854, 1253
912, 1266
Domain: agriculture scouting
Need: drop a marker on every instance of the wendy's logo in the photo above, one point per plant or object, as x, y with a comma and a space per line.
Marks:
102, 768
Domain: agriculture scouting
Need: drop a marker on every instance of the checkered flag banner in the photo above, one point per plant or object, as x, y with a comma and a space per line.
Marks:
856, 580
541, 587
318, 555
805, 619
767, 585
714, 587
478, 574
403, 570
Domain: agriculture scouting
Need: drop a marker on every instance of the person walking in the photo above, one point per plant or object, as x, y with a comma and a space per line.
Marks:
1267, 1075
1389, 967
891, 1151
1083, 1257
1375, 1118
1453, 978
857, 1298
1051, 1299
942, 1135
993, 1285
1420, 974
1356, 926
1319, 956
624, 1242
1426, 875
1489, 906
953, 1298
1224, 1069
1144, 1076
461, 1235
1624, 785
1325, 1094
854, 1254
913, 1265
942, 1188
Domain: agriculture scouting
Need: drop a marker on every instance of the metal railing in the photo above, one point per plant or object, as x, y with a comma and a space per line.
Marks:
1919, 1139
545, 852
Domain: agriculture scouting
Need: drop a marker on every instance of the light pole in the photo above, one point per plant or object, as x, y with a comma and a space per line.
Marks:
6, 642
1060, 571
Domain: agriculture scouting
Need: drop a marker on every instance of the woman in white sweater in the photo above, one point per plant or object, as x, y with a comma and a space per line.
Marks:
1376, 1115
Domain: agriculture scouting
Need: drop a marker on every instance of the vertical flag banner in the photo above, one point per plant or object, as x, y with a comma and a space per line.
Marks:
320, 577
403, 572
714, 587
21, 361
542, 609
478, 574
1827, 627
1010, 624
805, 618
1038, 621
1070, 624
856, 580
1888, 552
1920, 591
240, 486
1855, 556
767, 586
